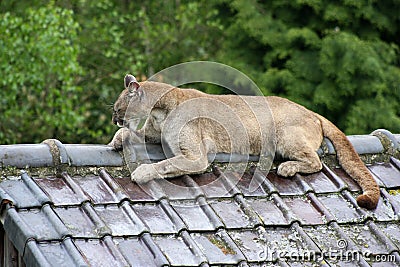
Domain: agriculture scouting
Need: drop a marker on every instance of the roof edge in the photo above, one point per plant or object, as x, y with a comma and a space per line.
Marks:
52, 153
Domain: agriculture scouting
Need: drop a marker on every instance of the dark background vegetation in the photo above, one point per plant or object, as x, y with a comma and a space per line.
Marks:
62, 62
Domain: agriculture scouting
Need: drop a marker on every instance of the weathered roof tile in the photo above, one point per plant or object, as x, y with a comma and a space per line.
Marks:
324, 236
193, 215
78, 223
218, 218
138, 253
348, 181
392, 230
305, 211
59, 191
393, 196
24, 192
218, 248
249, 186
177, 252
387, 173
385, 210
155, 218
121, 220
96, 189
251, 243
231, 214
211, 185
395, 161
40, 224
368, 240
285, 186
269, 244
135, 192
100, 252
53, 254
320, 183
285, 239
268, 211
179, 188
341, 209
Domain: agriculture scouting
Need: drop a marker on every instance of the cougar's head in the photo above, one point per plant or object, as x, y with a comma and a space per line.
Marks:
129, 107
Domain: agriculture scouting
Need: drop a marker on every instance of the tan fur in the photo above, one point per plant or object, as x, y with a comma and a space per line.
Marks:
176, 117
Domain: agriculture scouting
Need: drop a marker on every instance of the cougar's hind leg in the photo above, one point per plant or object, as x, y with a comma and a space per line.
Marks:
300, 150
302, 161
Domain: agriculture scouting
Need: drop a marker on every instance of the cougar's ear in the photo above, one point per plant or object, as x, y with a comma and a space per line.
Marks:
131, 83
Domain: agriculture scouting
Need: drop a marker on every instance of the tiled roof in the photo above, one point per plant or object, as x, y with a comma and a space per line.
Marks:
74, 205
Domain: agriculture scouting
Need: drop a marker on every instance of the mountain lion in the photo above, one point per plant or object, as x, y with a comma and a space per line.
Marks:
177, 118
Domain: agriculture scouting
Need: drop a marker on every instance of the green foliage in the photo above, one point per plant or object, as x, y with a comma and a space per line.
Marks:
120, 37
107, 40
39, 67
340, 59
62, 62
359, 72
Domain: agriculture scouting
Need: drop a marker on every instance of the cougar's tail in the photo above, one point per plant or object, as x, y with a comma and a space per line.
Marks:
352, 164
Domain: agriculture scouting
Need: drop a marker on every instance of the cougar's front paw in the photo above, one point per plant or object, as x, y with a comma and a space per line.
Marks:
116, 144
119, 138
287, 169
144, 173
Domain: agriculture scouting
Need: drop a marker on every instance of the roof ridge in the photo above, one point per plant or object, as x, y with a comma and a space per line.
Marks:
52, 153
